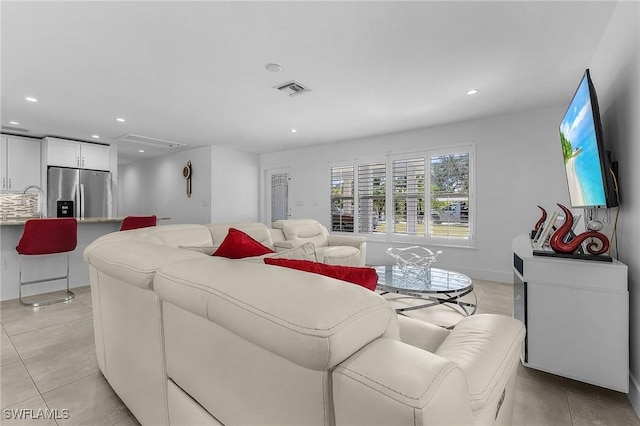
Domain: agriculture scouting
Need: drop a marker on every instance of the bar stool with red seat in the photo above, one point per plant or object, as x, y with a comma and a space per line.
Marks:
135, 222
46, 237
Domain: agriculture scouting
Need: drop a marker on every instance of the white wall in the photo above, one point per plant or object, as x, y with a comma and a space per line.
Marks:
615, 70
224, 186
156, 186
518, 166
234, 186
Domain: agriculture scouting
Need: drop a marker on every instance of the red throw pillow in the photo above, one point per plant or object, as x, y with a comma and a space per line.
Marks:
365, 277
238, 245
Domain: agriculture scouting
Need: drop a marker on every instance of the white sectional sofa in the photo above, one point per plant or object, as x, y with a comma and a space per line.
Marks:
285, 235
185, 338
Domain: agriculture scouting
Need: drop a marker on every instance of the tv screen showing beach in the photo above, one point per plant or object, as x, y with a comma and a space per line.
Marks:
581, 153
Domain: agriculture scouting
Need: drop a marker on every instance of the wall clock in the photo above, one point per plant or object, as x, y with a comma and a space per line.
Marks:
186, 173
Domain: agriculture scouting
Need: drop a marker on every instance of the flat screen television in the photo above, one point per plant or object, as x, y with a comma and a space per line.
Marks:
587, 165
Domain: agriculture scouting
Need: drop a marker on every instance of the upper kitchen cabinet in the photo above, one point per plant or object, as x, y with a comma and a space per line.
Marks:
19, 162
81, 155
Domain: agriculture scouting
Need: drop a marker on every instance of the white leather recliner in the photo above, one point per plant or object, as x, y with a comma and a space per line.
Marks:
331, 249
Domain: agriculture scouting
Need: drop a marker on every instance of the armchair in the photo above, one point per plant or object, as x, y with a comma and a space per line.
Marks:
331, 249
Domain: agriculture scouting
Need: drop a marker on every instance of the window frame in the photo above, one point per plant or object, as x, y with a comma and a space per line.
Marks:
469, 242
389, 236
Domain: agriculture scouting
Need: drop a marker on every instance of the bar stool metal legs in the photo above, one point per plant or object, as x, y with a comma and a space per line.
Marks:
45, 237
70, 295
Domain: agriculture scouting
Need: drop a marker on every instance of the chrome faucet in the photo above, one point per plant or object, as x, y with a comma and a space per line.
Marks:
38, 211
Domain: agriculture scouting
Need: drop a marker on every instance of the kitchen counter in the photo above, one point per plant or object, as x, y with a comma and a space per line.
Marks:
53, 265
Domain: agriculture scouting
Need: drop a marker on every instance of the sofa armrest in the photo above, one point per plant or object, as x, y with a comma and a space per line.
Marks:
421, 334
346, 240
487, 347
389, 382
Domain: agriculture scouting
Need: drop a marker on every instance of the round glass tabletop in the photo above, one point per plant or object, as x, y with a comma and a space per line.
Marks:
392, 278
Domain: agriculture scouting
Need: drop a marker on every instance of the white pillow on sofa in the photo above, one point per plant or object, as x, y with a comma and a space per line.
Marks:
306, 251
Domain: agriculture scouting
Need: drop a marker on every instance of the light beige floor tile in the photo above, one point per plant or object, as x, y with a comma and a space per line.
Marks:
32, 412
600, 408
541, 377
83, 295
54, 338
58, 354
129, 421
498, 298
480, 287
486, 308
90, 401
504, 289
540, 404
8, 353
17, 318
15, 385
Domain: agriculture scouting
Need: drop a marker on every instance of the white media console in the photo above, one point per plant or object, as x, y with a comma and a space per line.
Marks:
577, 316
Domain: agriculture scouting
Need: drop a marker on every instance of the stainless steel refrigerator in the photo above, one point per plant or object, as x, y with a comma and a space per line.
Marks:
78, 193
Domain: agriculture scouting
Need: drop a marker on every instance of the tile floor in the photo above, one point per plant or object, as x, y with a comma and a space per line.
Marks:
48, 362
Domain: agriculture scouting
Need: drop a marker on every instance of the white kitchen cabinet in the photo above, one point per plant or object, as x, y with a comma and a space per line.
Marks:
94, 156
19, 162
577, 316
65, 153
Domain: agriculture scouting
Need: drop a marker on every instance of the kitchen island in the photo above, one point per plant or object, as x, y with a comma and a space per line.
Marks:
51, 265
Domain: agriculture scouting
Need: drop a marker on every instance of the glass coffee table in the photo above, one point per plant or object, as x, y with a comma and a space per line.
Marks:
445, 288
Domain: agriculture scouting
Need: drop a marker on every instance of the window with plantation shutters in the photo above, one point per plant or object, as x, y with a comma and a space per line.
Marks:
372, 196
408, 196
420, 198
342, 198
449, 196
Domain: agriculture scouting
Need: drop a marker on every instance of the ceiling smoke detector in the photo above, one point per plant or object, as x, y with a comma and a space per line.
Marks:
145, 140
292, 88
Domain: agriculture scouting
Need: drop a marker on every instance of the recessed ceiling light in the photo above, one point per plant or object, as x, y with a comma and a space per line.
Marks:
15, 123
95, 136
122, 120
273, 67
141, 150
472, 91
293, 130
30, 99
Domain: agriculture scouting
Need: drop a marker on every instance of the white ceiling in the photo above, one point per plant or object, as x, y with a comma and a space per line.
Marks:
194, 72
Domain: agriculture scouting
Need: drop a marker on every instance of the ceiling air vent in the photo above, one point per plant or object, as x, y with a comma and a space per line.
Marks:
14, 129
145, 140
292, 88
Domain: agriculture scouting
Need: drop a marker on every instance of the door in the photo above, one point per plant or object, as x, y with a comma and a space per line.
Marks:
95, 192
278, 194
62, 185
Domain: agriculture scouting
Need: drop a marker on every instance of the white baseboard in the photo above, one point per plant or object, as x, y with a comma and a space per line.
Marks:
634, 394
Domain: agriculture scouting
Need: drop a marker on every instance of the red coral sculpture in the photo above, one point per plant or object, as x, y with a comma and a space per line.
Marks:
542, 219
601, 245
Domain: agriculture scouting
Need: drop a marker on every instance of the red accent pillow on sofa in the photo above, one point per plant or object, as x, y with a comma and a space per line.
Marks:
362, 276
238, 245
